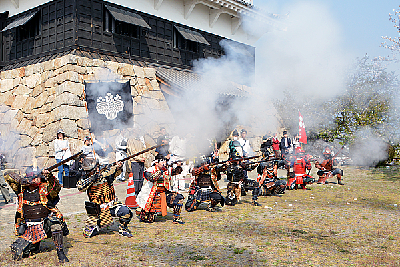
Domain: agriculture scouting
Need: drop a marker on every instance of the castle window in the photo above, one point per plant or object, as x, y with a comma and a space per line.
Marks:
188, 40
24, 29
123, 22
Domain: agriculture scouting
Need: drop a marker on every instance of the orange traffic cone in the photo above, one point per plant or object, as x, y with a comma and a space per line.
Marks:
130, 194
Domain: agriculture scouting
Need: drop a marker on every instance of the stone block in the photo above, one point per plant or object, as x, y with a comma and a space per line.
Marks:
83, 123
67, 98
21, 90
139, 72
50, 82
9, 115
126, 70
26, 71
41, 99
69, 112
32, 132
112, 66
37, 68
19, 101
37, 139
25, 141
42, 150
6, 74
149, 73
17, 81
9, 98
29, 105
155, 85
6, 85
70, 128
50, 131
24, 126
44, 119
72, 87
32, 80
48, 65
148, 84
141, 81
38, 90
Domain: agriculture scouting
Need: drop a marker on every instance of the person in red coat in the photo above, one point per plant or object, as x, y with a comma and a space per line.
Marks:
275, 145
301, 164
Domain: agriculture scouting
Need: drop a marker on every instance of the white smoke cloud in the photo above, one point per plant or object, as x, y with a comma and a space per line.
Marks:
368, 149
306, 57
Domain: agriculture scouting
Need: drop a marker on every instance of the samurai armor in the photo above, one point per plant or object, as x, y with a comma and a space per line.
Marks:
35, 212
92, 208
18, 247
204, 180
34, 233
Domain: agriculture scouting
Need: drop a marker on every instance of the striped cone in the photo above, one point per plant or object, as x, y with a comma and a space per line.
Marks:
130, 194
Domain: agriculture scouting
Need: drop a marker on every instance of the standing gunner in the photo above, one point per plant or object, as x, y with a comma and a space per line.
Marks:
156, 194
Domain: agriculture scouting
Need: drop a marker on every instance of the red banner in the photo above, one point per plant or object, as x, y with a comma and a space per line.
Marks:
302, 130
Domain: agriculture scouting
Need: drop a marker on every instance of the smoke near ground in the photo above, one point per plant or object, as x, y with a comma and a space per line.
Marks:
368, 149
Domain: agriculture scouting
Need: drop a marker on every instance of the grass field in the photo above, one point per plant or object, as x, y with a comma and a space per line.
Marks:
330, 225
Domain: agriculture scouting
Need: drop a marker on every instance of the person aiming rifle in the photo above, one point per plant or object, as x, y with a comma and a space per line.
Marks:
326, 167
97, 180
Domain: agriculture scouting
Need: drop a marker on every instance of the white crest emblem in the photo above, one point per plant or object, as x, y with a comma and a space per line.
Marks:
109, 105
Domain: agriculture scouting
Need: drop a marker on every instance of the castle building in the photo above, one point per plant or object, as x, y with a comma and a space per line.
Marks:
50, 50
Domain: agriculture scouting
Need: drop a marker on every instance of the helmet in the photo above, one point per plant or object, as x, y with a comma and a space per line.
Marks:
235, 149
32, 176
89, 164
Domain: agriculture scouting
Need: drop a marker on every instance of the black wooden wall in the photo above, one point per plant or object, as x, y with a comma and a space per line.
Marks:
68, 24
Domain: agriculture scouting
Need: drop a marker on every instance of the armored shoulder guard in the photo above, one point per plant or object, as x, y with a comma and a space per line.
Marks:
85, 182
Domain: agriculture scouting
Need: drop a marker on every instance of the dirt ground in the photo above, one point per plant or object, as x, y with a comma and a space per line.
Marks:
330, 225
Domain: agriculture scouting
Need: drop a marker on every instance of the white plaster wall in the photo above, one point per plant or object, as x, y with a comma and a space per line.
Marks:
170, 9
24, 5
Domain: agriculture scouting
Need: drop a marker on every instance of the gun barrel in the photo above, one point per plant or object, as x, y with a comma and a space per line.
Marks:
55, 166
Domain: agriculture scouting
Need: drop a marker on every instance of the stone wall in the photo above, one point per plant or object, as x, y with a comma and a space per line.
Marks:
39, 99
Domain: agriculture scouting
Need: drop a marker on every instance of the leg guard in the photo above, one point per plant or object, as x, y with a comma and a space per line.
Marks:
177, 214
57, 236
191, 203
19, 247
125, 215
256, 191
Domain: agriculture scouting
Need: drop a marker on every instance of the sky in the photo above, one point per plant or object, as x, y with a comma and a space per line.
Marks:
361, 23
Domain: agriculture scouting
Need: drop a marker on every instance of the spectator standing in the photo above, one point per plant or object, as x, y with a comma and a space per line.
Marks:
61, 146
286, 144
275, 145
